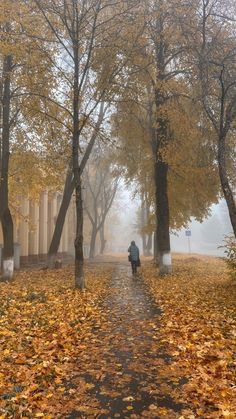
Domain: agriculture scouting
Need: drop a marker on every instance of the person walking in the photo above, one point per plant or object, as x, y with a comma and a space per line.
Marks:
133, 251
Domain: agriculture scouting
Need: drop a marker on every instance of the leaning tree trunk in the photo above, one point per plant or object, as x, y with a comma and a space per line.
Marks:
162, 216
67, 194
5, 214
66, 198
227, 191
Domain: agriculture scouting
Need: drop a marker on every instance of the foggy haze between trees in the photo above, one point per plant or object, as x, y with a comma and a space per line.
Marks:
206, 237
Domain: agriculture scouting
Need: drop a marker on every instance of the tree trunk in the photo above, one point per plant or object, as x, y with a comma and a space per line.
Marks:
93, 242
79, 257
67, 194
5, 215
149, 245
55, 242
227, 191
102, 239
144, 243
1, 102
161, 140
143, 223
8, 249
162, 255
155, 249
149, 236
162, 213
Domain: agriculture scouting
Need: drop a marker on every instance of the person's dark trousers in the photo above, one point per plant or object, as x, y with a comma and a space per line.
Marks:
134, 266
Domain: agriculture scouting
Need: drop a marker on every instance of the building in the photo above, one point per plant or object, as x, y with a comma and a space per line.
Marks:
34, 223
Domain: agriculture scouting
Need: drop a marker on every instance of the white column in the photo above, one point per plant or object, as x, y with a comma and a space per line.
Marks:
43, 223
34, 228
24, 227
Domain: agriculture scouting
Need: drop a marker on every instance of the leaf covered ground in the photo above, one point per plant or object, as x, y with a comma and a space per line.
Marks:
198, 329
44, 323
129, 347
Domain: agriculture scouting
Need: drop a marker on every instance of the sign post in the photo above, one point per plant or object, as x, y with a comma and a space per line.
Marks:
188, 234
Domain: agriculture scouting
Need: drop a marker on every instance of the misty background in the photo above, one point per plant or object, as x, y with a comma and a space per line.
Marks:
206, 237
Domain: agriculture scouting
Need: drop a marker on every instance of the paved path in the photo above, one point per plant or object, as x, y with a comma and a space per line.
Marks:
126, 361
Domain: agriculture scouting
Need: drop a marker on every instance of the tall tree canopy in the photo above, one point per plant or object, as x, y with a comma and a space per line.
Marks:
164, 69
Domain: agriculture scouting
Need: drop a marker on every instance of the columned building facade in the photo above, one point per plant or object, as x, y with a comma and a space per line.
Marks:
34, 225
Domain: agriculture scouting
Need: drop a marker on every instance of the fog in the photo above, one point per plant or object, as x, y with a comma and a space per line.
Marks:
121, 221
206, 237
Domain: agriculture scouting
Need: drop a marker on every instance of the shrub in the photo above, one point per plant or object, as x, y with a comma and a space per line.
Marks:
230, 252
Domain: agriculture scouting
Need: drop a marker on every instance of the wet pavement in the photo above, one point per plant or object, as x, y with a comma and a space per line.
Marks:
125, 368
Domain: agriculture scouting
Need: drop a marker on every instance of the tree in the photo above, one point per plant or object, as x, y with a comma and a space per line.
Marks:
160, 93
145, 226
88, 36
156, 64
74, 26
214, 50
101, 189
22, 62
192, 183
69, 188
5, 214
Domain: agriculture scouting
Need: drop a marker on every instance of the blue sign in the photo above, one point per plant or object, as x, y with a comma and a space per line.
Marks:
188, 233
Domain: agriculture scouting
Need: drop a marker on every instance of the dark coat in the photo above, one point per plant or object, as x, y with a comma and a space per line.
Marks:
134, 252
